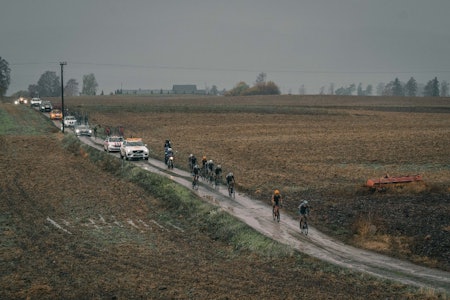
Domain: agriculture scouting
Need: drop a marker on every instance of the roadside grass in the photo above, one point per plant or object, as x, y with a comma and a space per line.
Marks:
23, 120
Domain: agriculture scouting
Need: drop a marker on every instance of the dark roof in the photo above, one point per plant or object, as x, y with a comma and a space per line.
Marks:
184, 88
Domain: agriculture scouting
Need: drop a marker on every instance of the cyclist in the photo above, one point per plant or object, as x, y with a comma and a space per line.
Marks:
167, 154
277, 202
303, 210
218, 171
196, 173
191, 165
193, 160
204, 167
230, 178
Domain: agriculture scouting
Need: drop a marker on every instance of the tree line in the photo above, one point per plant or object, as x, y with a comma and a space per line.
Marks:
49, 85
433, 88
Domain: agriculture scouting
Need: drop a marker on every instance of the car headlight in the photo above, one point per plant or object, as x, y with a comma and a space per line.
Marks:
77, 130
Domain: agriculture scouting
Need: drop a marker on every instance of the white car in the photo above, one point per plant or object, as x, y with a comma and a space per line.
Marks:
112, 143
70, 121
133, 148
35, 102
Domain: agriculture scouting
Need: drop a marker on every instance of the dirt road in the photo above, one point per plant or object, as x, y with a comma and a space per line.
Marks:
257, 215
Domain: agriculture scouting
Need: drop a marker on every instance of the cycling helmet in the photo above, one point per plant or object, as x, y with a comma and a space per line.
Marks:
190, 155
210, 161
305, 202
204, 157
219, 166
276, 192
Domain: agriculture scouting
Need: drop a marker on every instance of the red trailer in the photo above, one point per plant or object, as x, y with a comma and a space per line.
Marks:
377, 182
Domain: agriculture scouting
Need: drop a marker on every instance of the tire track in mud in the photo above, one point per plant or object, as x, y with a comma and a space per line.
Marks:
316, 244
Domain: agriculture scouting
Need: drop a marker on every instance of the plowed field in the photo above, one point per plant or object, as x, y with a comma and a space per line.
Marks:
318, 148
71, 230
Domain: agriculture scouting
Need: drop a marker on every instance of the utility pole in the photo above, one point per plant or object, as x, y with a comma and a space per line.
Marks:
62, 64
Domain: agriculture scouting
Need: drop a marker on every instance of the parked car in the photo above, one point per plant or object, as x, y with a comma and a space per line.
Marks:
56, 114
112, 143
83, 129
70, 121
35, 101
46, 106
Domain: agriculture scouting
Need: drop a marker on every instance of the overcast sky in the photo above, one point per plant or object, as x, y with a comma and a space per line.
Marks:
153, 44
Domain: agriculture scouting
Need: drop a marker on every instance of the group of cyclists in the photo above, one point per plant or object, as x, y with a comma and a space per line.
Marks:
213, 174
210, 172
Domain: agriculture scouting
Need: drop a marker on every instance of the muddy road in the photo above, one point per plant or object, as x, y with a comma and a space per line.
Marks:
259, 216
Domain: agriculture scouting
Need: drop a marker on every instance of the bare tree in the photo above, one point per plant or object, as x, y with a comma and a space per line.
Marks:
5, 77
71, 88
261, 79
90, 85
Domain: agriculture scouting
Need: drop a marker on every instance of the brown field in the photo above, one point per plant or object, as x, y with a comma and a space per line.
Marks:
318, 148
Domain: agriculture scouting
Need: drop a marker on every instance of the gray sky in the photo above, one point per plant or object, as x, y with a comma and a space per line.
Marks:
157, 43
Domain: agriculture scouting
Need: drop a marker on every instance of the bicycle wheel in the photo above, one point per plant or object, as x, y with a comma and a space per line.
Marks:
195, 184
304, 227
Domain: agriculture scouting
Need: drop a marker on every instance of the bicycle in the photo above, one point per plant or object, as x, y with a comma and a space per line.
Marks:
217, 180
276, 213
231, 191
304, 224
195, 182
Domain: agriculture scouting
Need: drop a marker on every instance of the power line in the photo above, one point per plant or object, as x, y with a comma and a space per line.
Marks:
220, 69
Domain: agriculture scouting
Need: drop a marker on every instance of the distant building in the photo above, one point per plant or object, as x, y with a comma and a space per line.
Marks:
145, 92
184, 89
